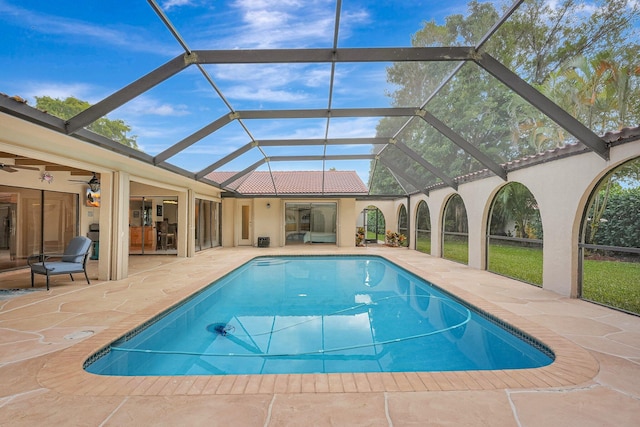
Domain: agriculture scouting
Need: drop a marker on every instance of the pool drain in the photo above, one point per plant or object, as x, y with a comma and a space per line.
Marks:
221, 328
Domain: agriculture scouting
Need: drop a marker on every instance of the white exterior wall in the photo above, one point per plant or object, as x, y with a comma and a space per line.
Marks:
561, 188
117, 173
267, 220
346, 226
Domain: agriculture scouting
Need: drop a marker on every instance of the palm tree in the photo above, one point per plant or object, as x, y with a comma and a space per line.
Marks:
515, 203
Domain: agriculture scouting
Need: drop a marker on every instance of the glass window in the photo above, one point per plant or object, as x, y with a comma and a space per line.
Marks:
60, 219
34, 221
310, 223
206, 219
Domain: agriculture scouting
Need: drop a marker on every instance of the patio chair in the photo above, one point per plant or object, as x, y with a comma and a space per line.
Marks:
74, 260
166, 235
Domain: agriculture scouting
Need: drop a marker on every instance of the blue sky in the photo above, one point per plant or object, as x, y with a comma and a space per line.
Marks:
90, 49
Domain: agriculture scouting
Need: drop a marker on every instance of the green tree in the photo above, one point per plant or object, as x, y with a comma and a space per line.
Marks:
625, 180
539, 41
596, 91
622, 215
514, 202
542, 36
455, 216
115, 130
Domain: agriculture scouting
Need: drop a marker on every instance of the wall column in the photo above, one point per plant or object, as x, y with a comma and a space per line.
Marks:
184, 219
105, 253
120, 229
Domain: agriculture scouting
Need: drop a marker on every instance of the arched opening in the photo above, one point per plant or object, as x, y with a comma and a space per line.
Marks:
403, 226
373, 224
514, 239
455, 234
423, 228
610, 241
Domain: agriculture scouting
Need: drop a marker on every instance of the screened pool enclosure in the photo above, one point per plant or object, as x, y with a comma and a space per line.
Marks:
418, 99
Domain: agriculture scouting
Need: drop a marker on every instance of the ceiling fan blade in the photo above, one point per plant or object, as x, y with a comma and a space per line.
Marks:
14, 168
31, 168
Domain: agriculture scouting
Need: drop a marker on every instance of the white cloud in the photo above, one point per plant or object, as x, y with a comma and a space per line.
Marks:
169, 4
265, 75
360, 127
272, 82
317, 77
81, 91
145, 105
268, 24
263, 94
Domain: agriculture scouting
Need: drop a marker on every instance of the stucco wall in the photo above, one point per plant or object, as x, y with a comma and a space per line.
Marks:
117, 175
267, 220
561, 188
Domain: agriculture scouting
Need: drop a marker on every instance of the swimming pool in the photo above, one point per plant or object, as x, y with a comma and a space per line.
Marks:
319, 314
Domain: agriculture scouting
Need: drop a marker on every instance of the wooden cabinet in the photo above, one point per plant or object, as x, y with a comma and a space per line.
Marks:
135, 238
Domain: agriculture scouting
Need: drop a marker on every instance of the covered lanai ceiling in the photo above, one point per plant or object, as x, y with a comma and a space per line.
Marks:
244, 86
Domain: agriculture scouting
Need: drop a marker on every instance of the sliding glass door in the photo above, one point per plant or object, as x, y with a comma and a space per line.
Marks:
34, 221
207, 224
310, 223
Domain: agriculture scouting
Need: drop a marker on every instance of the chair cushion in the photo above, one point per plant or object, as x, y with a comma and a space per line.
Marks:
77, 249
57, 267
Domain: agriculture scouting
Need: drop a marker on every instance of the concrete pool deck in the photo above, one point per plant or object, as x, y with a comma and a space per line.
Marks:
46, 336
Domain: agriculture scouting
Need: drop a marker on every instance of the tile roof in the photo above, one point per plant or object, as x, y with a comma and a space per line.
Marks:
627, 134
294, 182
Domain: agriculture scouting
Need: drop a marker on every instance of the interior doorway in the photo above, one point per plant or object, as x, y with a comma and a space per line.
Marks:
153, 225
310, 223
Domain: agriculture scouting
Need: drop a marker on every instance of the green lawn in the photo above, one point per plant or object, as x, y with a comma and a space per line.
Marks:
522, 263
613, 283
372, 235
424, 245
456, 249
423, 242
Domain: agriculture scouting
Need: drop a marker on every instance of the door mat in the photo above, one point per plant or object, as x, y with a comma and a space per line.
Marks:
11, 293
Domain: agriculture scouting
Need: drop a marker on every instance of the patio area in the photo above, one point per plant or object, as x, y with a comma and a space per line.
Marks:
46, 336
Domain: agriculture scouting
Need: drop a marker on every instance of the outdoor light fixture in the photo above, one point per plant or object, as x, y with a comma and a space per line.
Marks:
94, 183
268, 205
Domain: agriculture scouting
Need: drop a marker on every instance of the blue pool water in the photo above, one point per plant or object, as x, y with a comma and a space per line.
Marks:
319, 314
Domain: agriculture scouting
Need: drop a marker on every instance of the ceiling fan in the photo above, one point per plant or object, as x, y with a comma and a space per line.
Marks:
14, 168
93, 183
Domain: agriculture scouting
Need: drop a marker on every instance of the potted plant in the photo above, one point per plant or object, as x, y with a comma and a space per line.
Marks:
394, 239
360, 236
391, 238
